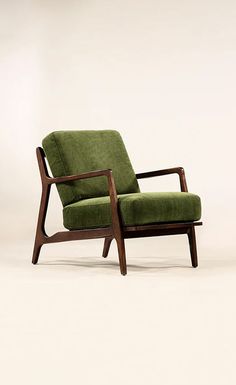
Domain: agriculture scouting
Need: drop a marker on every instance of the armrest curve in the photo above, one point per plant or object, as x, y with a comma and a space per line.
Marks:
174, 170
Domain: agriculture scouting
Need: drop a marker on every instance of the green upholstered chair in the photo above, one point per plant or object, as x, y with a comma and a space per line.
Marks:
101, 197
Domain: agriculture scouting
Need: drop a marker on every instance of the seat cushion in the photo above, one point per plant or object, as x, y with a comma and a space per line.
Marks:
135, 209
75, 152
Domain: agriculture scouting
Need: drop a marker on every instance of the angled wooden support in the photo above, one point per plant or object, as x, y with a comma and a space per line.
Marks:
41, 235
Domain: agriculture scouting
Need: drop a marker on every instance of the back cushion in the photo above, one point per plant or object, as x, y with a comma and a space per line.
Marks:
75, 152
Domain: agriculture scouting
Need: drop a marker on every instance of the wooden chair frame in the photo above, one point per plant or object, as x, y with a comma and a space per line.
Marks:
117, 230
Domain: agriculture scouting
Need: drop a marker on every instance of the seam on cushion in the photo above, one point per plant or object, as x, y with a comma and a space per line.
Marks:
79, 207
63, 164
95, 204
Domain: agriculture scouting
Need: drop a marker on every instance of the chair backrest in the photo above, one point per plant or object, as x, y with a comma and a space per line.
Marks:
75, 152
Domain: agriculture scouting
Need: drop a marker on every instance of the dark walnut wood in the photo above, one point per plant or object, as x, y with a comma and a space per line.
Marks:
175, 170
107, 244
116, 231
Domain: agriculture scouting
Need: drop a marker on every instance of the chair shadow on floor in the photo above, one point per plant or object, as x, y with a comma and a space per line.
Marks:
94, 263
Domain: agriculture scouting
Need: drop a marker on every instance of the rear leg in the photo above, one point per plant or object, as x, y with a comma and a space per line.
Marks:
106, 248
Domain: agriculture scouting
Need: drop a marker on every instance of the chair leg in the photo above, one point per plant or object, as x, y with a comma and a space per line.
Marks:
106, 248
193, 246
40, 231
122, 257
36, 252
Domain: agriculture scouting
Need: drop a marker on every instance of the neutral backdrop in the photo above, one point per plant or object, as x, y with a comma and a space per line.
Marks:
162, 73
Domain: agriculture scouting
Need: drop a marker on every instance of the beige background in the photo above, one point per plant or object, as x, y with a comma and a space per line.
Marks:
163, 74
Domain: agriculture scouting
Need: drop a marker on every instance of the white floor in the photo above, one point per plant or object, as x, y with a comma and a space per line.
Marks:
73, 319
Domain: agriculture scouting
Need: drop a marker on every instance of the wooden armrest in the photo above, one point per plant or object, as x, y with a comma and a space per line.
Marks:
91, 174
86, 175
175, 170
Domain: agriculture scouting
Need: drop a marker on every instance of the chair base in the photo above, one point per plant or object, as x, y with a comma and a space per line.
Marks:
127, 232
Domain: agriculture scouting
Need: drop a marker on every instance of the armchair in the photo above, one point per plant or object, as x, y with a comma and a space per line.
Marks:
107, 202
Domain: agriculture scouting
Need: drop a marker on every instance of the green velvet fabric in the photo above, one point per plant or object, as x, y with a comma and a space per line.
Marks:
135, 209
75, 152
